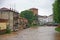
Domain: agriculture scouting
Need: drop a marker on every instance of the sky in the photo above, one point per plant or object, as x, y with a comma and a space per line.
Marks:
44, 6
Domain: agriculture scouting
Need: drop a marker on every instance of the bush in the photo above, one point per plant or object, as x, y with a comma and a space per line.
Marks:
34, 24
28, 25
57, 29
8, 30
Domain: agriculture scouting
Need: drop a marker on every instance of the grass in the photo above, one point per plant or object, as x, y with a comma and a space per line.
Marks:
57, 29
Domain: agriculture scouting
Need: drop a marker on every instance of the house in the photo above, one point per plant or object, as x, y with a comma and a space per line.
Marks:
12, 17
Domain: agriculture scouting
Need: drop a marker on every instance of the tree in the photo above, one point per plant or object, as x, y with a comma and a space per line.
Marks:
28, 15
56, 11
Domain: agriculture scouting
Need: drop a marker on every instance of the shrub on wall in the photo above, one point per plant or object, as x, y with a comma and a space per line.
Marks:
8, 30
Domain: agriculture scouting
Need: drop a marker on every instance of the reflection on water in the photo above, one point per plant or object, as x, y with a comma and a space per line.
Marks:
39, 33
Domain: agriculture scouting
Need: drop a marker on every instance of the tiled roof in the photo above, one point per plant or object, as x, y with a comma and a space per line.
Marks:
33, 8
6, 9
42, 16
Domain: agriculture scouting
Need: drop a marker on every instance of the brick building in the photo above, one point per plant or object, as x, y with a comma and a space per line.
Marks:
34, 10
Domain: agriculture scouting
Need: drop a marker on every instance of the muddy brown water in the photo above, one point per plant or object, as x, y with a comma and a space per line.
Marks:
38, 33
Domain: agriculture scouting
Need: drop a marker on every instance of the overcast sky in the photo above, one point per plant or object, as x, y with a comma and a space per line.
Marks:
44, 6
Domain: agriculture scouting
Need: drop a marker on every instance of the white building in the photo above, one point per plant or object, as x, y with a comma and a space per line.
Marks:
42, 19
50, 18
45, 19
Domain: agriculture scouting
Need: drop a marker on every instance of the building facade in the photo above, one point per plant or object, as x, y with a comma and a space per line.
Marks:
3, 25
34, 10
42, 19
12, 17
50, 18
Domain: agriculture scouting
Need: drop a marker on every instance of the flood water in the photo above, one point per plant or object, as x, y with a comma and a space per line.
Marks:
37, 33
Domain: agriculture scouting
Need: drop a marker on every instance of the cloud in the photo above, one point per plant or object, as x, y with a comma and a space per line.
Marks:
44, 12
1, 1
44, 6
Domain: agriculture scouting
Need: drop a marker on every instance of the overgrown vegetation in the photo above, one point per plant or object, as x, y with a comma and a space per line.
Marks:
8, 30
29, 15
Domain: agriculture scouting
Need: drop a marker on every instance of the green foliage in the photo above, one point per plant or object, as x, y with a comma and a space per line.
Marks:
8, 30
28, 25
56, 11
57, 29
35, 25
28, 15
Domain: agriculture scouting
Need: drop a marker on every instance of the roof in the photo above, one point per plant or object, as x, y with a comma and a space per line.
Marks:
3, 20
33, 9
51, 15
42, 16
6, 9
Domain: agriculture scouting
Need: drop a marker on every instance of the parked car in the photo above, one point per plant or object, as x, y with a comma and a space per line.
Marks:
55, 24
52, 24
